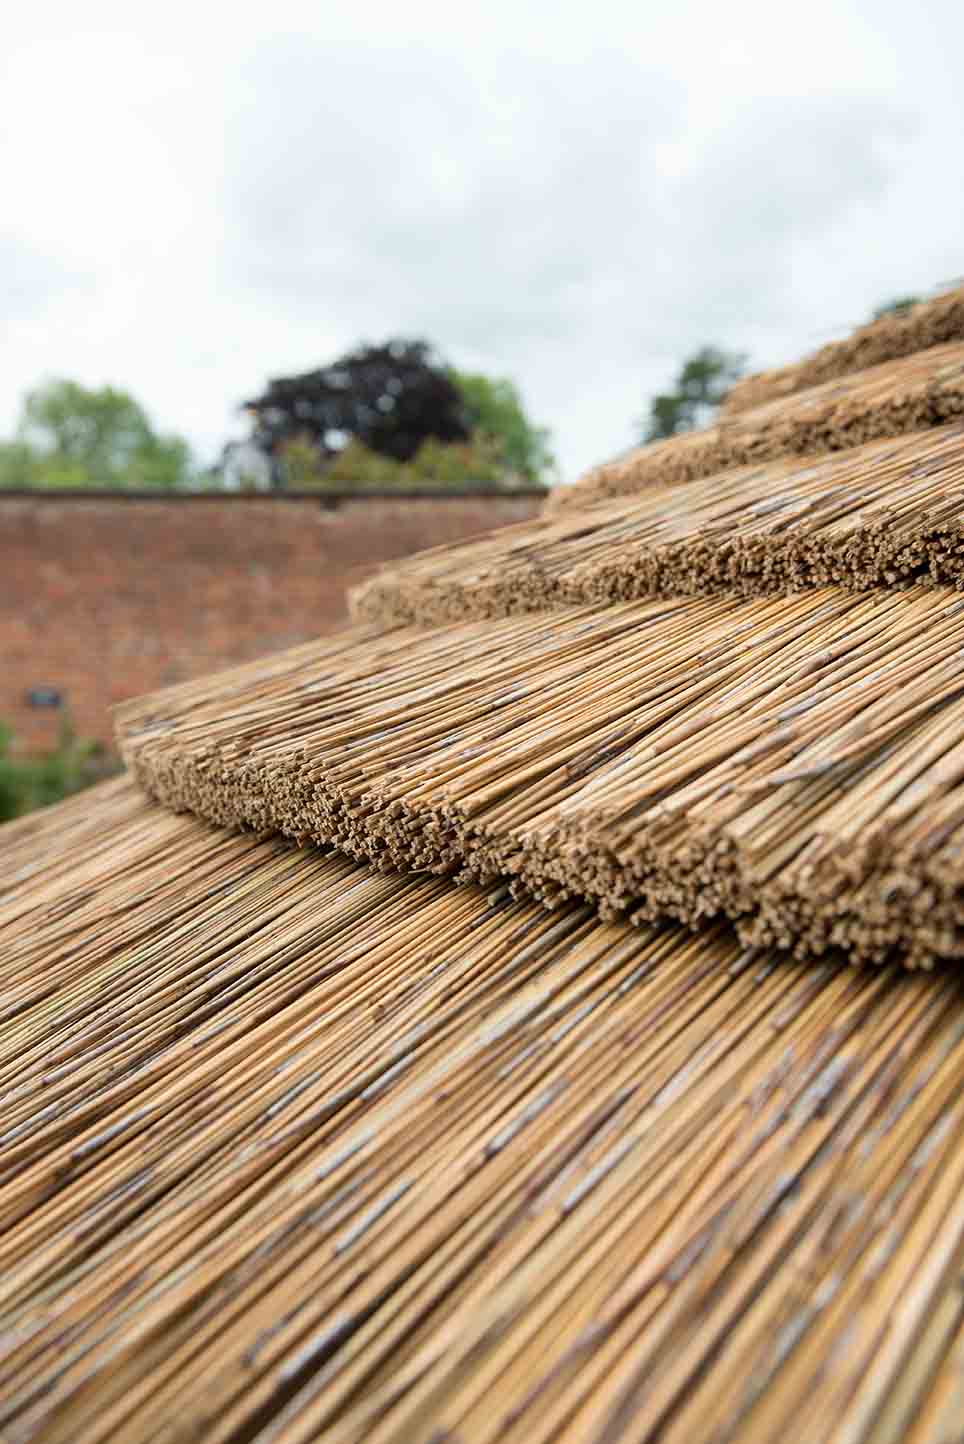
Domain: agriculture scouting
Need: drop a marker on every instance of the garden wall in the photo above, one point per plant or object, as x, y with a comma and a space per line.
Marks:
105, 596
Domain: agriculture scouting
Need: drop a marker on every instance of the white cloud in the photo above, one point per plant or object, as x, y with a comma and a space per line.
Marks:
574, 196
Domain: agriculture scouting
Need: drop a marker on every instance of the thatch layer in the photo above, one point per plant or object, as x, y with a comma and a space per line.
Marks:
897, 334
920, 391
31, 845
795, 763
292, 1151
881, 514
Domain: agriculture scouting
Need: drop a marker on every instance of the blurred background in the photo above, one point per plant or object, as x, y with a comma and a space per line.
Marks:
288, 292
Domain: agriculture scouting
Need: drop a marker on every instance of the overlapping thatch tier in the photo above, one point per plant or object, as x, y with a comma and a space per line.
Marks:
888, 512
921, 391
929, 323
293, 1150
795, 763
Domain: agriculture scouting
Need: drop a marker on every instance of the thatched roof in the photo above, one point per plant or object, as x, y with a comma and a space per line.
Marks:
301, 1140
872, 517
792, 763
887, 338
923, 390
295, 1150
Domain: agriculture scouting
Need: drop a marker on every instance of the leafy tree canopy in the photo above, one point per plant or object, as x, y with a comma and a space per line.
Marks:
391, 398
74, 436
496, 413
395, 415
701, 384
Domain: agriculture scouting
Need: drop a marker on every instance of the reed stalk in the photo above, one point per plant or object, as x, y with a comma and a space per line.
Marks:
878, 516
792, 763
291, 1150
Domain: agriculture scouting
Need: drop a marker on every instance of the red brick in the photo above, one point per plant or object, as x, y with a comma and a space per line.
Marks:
104, 598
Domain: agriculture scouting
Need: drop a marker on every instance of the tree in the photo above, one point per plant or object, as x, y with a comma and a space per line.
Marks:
896, 308
702, 382
496, 413
391, 398
395, 415
73, 436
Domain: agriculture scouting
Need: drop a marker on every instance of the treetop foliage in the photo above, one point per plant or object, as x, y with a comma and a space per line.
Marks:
497, 415
74, 436
436, 464
390, 398
394, 415
701, 384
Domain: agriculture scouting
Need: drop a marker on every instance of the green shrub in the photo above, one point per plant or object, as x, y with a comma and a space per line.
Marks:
438, 464
29, 782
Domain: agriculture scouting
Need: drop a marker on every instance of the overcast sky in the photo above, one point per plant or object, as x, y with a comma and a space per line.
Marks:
200, 197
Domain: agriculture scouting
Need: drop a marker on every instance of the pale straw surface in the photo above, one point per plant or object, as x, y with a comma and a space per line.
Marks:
294, 1151
930, 323
294, 1148
920, 391
881, 514
795, 763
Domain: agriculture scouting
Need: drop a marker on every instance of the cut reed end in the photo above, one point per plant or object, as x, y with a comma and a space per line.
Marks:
879, 516
791, 763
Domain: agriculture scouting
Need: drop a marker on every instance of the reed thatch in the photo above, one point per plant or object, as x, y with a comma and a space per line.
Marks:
888, 512
889, 400
296, 1147
292, 1150
794, 763
929, 323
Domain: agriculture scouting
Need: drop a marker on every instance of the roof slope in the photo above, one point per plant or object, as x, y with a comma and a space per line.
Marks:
295, 1147
794, 763
929, 323
901, 396
888, 512
291, 1149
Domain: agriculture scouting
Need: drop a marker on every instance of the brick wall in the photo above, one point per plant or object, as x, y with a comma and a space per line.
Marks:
104, 597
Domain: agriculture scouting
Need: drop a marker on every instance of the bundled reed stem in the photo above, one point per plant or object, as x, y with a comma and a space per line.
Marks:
795, 763
929, 323
877, 516
293, 1150
920, 391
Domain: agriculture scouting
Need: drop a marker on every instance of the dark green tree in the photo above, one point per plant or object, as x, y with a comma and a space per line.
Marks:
390, 397
389, 414
700, 386
74, 436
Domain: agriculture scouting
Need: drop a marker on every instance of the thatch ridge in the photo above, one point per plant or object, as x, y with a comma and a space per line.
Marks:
292, 1150
791, 763
923, 390
887, 338
874, 517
